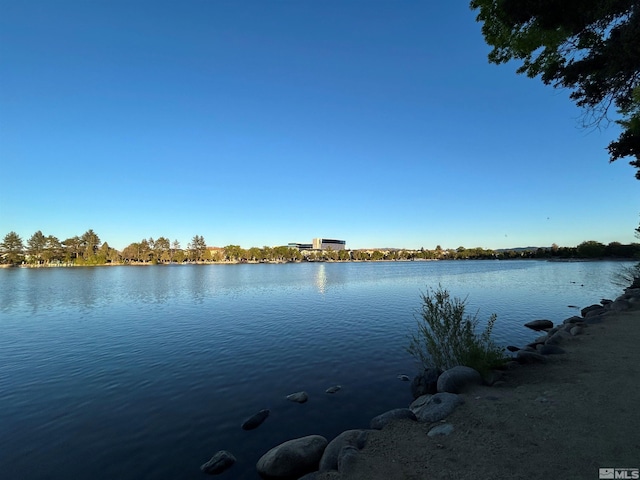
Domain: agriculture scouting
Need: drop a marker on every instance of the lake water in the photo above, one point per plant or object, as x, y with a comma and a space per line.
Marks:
145, 372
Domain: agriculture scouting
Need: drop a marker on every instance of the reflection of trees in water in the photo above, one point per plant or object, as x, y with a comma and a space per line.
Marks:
87, 288
197, 282
85, 285
40, 289
159, 288
161, 283
9, 292
76, 287
153, 283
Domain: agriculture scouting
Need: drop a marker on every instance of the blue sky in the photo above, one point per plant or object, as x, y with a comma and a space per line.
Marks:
263, 123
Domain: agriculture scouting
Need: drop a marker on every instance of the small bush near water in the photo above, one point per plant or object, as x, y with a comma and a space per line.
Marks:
628, 277
446, 337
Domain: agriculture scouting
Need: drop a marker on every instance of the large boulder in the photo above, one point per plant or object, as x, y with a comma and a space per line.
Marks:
539, 325
458, 379
574, 319
352, 438
433, 408
592, 310
619, 305
541, 339
558, 338
552, 331
220, 462
526, 356
347, 460
593, 318
378, 423
576, 330
425, 383
293, 459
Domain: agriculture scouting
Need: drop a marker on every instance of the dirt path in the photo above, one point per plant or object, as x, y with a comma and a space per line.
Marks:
561, 420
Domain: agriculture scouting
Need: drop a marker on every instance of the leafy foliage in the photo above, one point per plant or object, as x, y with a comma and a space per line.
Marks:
447, 337
590, 47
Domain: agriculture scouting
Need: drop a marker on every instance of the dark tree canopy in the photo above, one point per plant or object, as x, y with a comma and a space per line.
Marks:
591, 47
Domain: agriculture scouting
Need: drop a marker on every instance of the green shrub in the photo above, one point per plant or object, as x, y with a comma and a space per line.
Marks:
446, 337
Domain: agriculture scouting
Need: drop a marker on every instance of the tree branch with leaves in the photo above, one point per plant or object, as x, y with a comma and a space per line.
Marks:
591, 47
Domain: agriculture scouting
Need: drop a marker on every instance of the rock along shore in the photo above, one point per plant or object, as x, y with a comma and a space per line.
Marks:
564, 407
557, 415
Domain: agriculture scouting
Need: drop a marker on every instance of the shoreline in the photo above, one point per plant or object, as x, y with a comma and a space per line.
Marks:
283, 262
564, 418
250, 262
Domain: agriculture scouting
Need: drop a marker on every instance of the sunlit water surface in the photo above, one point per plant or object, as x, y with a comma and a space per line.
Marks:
145, 372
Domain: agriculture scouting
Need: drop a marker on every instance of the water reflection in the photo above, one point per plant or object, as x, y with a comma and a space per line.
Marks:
9, 293
84, 291
330, 275
197, 282
321, 278
38, 290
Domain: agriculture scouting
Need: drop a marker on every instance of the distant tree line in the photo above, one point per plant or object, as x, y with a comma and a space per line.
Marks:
88, 249
40, 249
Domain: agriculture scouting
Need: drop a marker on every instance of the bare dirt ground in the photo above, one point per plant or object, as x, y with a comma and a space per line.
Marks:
560, 420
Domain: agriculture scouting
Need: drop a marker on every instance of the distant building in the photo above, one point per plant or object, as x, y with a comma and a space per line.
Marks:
301, 246
328, 243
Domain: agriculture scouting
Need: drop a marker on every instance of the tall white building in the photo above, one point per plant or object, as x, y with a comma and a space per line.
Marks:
329, 243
